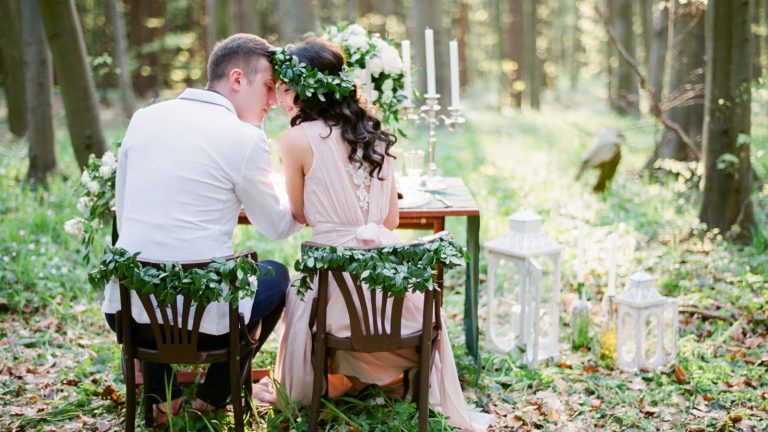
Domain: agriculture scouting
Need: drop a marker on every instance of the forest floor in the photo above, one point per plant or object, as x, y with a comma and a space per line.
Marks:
60, 367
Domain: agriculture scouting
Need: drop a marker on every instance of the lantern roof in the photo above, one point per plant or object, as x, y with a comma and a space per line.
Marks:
524, 238
640, 292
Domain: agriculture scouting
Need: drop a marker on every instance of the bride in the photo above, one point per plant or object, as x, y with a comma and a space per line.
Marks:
340, 180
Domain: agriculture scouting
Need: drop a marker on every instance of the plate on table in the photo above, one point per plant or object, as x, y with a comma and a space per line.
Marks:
413, 198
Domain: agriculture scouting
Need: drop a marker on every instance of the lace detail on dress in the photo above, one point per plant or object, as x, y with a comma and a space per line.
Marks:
361, 179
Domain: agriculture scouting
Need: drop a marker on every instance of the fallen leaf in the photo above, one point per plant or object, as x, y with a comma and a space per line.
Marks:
708, 398
49, 323
103, 426
680, 375
590, 369
596, 404
564, 365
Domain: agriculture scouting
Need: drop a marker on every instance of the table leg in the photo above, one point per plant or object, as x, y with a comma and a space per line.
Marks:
471, 330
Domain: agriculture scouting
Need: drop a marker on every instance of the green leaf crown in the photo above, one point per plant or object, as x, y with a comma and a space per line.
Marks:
307, 81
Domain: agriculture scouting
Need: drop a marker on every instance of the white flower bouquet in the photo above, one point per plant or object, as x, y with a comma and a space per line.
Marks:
372, 57
97, 197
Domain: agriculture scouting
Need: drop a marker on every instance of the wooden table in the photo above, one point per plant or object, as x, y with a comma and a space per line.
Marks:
457, 201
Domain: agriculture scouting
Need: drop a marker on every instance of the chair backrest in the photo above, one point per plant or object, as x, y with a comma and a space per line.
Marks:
375, 316
175, 341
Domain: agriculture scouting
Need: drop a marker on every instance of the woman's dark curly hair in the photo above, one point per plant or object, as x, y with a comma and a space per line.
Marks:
359, 128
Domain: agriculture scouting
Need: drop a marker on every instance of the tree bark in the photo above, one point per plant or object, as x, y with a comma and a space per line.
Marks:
757, 62
627, 93
727, 177
62, 28
533, 77
461, 25
11, 52
121, 52
611, 53
685, 102
210, 26
658, 51
297, 18
515, 39
645, 12
39, 88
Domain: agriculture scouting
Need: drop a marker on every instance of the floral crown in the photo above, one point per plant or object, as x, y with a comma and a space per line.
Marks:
307, 81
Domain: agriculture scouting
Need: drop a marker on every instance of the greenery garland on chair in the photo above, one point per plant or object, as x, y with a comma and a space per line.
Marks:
202, 285
395, 269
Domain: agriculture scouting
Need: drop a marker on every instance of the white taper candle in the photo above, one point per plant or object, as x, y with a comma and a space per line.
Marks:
454, 56
429, 47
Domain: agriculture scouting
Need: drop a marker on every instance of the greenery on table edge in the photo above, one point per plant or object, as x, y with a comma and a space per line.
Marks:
395, 269
203, 285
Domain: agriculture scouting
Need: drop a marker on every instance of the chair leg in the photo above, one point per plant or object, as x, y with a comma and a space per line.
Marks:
248, 388
149, 415
235, 387
317, 385
130, 393
423, 388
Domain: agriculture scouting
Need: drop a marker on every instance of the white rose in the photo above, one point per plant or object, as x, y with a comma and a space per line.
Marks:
85, 178
374, 66
109, 159
74, 227
93, 186
83, 204
106, 170
96, 223
357, 42
386, 90
356, 30
374, 95
386, 96
391, 61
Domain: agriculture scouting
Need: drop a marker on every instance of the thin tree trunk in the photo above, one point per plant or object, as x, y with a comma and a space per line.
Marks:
65, 37
627, 93
39, 88
757, 63
727, 200
210, 26
658, 53
353, 10
419, 21
13, 64
685, 102
645, 12
611, 53
297, 18
577, 48
533, 76
121, 52
515, 50
461, 25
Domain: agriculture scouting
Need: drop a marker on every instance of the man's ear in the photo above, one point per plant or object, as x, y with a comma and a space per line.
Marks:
235, 78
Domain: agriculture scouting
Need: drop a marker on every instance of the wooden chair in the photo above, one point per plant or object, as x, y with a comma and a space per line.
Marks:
372, 332
175, 344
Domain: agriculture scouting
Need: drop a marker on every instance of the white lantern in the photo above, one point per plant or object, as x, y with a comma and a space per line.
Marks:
647, 327
523, 290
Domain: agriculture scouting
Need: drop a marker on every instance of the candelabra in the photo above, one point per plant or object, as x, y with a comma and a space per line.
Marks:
428, 113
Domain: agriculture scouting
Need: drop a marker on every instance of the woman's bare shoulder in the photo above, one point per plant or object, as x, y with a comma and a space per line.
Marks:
294, 139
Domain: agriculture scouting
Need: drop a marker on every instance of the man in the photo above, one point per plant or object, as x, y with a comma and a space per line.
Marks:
185, 169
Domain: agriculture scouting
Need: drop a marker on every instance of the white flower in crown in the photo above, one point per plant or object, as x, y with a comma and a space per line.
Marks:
83, 204
74, 227
93, 186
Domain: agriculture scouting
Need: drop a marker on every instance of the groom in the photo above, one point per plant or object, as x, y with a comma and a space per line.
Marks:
185, 169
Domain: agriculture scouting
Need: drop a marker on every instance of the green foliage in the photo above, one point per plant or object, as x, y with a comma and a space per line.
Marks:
307, 81
394, 269
222, 280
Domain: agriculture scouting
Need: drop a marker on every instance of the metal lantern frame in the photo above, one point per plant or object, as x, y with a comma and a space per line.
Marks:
524, 245
636, 304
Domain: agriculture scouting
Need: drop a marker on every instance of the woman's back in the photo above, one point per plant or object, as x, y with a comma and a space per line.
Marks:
342, 202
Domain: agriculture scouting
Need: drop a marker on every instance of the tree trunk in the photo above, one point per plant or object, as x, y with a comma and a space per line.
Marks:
645, 12
627, 93
210, 26
576, 48
39, 88
515, 36
611, 53
658, 52
65, 37
353, 10
297, 18
461, 25
757, 62
121, 52
533, 77
11, 52
727, 177
685, 102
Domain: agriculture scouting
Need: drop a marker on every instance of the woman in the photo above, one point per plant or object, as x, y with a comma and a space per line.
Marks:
340, 180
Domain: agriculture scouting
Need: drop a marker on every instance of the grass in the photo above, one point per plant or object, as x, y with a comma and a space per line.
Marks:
60, 368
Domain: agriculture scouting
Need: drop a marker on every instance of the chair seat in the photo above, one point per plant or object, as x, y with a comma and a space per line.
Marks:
347, 343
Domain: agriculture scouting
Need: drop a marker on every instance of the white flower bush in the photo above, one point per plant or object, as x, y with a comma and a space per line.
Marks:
97, 197
381, 59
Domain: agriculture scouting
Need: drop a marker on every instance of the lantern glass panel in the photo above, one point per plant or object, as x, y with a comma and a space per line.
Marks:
505, 309
651, 338
549, 301
670, 338
627, 336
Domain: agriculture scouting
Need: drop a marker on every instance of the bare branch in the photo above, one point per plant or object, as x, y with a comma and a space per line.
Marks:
655, 105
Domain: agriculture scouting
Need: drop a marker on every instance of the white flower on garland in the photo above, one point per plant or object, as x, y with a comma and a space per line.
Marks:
74, 227
83, 204
378, 57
